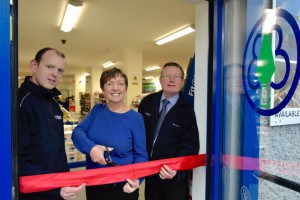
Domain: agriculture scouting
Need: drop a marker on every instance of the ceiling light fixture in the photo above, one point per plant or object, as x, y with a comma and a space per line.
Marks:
108, 64
175, 35
71, 15
149, 77
152, 68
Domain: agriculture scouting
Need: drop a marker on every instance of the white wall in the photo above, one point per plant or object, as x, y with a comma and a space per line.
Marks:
200, 101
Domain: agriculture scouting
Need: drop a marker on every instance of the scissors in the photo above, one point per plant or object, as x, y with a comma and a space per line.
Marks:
108, 158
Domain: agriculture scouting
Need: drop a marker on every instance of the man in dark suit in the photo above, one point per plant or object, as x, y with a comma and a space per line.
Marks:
176, 136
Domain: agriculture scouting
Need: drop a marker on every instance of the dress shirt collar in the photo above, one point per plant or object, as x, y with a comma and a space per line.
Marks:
172, 100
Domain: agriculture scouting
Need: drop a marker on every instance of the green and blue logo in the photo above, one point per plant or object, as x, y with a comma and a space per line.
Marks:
259, 66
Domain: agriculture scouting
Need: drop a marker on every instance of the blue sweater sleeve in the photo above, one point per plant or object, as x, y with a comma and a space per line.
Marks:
79, 135
139, 141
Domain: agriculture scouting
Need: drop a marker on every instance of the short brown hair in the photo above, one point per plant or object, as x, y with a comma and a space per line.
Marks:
41, 52
112, 73
173, 64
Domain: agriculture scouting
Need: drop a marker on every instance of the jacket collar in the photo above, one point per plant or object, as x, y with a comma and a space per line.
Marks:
38, 90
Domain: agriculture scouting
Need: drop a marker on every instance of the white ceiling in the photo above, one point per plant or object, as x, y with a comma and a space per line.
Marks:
105, 29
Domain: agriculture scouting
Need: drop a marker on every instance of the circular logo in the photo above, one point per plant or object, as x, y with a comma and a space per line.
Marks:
251, 81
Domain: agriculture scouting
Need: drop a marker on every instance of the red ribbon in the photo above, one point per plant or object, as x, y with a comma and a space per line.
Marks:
44, 182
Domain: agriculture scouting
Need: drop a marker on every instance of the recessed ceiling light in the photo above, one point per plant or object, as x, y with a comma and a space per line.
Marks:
108, 64
175, 35
148, 77
152, 68
71, 15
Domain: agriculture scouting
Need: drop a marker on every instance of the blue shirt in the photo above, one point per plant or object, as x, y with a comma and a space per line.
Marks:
172, 101
124, 132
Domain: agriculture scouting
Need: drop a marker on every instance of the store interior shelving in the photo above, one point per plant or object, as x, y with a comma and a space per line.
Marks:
75, 157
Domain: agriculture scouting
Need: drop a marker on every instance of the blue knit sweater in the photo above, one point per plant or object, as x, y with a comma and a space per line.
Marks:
124, 132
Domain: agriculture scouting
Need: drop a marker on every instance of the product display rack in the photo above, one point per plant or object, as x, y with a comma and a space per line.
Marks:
99, 98
75, 157
85, 104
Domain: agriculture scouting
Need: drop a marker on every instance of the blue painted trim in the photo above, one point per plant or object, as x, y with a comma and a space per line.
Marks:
5, 99
188, 88
217, 102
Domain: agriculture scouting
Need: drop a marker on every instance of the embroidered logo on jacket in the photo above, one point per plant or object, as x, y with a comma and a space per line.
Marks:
58, 117
176, 125
147, 114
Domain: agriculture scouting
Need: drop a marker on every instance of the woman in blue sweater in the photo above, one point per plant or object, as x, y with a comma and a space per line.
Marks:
114, 127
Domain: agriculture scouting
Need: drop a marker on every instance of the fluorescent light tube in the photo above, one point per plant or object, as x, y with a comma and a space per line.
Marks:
108, 64
149, 77
152, 68
175, 35
71, 15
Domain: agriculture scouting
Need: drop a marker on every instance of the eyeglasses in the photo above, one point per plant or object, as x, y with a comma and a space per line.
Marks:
108, 158
169, 76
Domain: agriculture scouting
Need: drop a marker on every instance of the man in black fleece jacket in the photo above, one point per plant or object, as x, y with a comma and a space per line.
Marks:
40, 124
178, 135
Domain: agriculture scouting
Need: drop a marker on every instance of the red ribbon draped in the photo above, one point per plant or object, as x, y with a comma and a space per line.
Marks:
44, 182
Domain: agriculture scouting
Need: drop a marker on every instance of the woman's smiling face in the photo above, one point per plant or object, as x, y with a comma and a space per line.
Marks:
115, 89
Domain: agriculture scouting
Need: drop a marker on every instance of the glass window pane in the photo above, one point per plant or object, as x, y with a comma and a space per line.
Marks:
261, 99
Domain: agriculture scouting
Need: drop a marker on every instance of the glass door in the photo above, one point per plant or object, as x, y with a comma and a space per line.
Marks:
260, 95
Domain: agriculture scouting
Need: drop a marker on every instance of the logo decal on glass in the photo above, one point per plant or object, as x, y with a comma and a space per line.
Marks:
271, 62
245, 194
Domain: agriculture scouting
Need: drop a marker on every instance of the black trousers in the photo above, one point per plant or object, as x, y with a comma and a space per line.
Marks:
167, 190
110, 192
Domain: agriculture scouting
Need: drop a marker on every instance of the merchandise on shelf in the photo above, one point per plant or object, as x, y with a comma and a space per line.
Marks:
73, 155
99, 98
71, 104
85, 103
149, 87
137, 100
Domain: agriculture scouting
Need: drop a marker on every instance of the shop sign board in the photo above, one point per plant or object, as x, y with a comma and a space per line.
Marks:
285, 117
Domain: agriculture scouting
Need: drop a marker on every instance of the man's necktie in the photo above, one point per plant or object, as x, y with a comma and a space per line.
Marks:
162, 115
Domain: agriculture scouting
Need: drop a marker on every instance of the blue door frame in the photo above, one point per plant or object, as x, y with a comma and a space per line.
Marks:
5, 102
249, 138
214, 140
